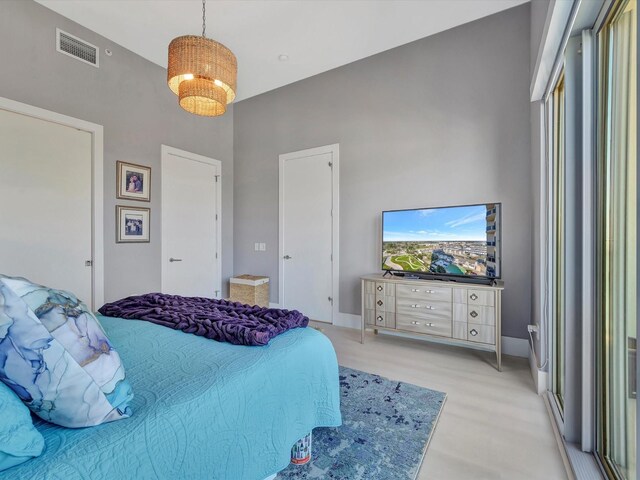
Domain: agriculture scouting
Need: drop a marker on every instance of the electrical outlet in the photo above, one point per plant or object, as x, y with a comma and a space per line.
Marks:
256, 247
535, 329
263, 247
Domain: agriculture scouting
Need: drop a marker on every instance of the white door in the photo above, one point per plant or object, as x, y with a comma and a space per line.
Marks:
190, 224
307, 232
45, 203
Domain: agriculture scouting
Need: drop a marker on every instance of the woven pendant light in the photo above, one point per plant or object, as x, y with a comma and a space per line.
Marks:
202, 72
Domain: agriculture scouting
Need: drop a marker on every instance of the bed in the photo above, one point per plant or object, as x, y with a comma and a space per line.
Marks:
202, 409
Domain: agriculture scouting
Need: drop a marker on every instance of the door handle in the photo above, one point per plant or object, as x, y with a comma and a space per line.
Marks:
287, 257
175, 259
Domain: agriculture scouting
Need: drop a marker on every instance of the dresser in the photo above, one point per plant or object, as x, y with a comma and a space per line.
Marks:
467, 315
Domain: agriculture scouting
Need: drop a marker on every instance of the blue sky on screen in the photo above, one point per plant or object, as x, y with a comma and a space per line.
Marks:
433, 224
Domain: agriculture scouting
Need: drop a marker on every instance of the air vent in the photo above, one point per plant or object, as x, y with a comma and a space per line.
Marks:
76, 48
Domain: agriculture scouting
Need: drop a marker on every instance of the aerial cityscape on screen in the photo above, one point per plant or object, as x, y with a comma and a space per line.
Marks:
453, 240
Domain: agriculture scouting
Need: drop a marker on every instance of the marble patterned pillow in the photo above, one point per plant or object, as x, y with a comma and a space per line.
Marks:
55, 356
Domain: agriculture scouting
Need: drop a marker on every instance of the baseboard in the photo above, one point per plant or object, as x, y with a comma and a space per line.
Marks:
516, 347
346, 320
539, 376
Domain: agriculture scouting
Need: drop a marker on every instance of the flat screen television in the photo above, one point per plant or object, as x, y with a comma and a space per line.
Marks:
461, 241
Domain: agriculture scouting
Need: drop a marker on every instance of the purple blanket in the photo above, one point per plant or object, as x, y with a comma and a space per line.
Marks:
216, 319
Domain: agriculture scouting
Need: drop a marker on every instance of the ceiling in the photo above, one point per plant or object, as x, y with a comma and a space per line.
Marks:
317, 35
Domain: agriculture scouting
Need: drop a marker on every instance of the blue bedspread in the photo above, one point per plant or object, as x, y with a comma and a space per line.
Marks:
201, 409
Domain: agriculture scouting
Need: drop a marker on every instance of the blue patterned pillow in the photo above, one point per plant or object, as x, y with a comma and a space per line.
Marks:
56, 357
19, 440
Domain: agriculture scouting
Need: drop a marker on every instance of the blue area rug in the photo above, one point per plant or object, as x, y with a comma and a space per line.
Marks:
386, 429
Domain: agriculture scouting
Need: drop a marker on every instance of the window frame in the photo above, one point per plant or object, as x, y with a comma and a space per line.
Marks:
601, 425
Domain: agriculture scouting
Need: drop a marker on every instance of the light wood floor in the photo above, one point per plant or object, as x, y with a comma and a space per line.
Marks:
493, 424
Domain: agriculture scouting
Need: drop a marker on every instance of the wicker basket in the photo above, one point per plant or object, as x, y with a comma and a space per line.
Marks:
250, 289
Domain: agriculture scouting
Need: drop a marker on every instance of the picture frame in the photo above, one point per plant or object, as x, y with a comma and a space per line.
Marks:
132, 224
133, 181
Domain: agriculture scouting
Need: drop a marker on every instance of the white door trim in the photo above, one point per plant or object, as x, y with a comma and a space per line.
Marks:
165, 151
97, 185
334, 150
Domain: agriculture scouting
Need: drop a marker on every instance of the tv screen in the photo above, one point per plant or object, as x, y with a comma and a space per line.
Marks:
446, 241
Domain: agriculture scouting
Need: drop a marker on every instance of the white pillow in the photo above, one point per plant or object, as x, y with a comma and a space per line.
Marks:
55, 355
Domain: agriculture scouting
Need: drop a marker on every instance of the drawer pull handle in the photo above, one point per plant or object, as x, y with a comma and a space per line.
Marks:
379, 288
415, 305
473, 313
379, 318
473, 296
415, 290
428, 324
473, 332
379, 302
415, 323
429, 291
429, 307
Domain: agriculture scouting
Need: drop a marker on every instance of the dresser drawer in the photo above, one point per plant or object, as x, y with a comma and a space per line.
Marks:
385, 303
423, 293
426, 311
480, 297
383, 288
384, 319
481, 315
481, 333
420, 324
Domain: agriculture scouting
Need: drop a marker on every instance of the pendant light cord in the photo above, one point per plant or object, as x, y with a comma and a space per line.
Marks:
204, 19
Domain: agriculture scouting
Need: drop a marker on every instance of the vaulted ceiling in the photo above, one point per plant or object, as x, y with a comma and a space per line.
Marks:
315, 35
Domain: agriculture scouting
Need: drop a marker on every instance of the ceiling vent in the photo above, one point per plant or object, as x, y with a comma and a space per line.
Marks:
76, 48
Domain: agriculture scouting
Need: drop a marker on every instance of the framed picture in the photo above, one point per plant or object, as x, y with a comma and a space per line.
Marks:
132, 224
134, 181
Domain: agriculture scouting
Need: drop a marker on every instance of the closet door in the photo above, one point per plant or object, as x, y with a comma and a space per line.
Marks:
190, 224
45, 203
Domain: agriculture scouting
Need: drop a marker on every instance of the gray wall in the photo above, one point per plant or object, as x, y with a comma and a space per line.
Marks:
128, 95
441, 121
539, 13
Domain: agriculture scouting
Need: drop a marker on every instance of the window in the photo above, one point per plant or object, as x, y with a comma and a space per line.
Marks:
617, 242
558, 222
